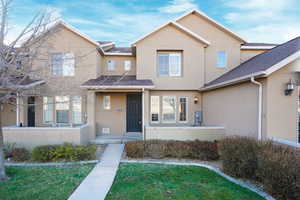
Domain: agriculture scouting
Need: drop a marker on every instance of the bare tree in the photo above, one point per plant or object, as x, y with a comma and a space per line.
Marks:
16, 61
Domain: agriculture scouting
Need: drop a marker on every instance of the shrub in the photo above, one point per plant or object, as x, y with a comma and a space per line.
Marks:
173, 149
279, 170
239, 156
65, 152
8, 149
20, 154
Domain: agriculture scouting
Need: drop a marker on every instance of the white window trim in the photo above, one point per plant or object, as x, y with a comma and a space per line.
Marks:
114, 65
187, 110
109, 102
226, 60
53, 111
69, 110
169, 75
130, 63
63, 62
81, 119
175, 112
159, 106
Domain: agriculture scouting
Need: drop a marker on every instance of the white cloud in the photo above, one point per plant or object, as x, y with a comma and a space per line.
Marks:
83, 22
178, 6
260, 4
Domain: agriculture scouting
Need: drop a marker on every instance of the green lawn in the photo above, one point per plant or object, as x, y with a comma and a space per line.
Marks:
42, 183
159, 182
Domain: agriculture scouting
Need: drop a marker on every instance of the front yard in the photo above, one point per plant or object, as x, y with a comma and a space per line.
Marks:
159, 182
42, 183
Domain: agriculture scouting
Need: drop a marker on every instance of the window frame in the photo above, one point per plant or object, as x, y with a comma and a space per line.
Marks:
129, 63
225, 56
187, 109
175, 109
169, 66
52, 109
109, 102
62, 63
68, 110
151, 112
108, 65
73, 111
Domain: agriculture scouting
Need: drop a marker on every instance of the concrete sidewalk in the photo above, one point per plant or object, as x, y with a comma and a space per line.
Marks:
97, 184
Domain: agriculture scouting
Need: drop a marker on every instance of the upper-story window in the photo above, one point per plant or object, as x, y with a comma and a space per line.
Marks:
222, 59
169, 64
127, 65
63, 64
111, 64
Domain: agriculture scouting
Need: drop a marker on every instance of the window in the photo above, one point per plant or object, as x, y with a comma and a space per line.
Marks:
106, 102
110, 65
48, 104
76, 105
169, 109
63, 64
183, 109
127, 65
154, 108
222, 59
169, 64
62, 105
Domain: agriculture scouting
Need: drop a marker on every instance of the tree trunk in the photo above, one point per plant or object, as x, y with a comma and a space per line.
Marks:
2, 158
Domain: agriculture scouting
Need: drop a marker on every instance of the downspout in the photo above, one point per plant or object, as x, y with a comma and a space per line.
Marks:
259, 107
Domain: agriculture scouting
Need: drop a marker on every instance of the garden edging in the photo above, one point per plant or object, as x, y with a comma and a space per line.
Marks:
241, 183
32, 164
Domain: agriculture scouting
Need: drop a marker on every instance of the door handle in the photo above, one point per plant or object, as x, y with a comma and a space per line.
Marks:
140, 122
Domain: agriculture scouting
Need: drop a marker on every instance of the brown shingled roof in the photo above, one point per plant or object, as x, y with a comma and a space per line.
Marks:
119, 50
258, 64
250, 44
117, 81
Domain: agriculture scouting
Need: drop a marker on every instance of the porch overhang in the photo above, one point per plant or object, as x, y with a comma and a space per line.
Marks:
126, 87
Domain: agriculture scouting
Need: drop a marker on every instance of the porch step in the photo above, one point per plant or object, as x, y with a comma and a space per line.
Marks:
116, 139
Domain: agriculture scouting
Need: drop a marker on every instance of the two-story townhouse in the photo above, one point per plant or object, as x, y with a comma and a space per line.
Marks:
191, 78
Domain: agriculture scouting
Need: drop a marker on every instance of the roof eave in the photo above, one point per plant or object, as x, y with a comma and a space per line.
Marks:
95, 87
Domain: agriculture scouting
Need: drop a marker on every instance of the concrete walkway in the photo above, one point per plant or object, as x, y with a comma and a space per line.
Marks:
97, 184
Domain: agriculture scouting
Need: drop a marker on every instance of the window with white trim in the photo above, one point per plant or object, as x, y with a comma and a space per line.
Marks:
48, 105
183, 107
63, 64
154, 109
62, 106
106, 102
222, 59
111, 65
169, 64
169, 109
76, 108
127, 65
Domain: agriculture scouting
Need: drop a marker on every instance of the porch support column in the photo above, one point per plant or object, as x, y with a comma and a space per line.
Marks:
18, 110
21, 111
145, 114
91, 114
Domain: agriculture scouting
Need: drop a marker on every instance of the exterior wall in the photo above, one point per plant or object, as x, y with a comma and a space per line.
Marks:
119, 67
8, 115
192, 107
282, 111
247, 54
185, 133
220, 41
235, 108
31, 137
171, 38
115, 118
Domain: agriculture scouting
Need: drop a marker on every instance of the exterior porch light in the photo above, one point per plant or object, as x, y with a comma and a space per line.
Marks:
196, 99
290, 87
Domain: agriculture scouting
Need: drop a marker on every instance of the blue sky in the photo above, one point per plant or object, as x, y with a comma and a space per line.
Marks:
124, 21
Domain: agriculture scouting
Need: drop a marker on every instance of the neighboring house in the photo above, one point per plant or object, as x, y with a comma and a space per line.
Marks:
191, 78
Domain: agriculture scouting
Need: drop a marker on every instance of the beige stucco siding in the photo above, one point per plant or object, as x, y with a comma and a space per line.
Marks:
247, 54
8, 115
282, 111
192, 107
171, 38
119, 65
115, 118
220, 41
234, 108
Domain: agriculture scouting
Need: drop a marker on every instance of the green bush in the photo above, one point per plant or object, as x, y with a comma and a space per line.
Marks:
239, 156
20, 154
276, 166
173, 149
65, 152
